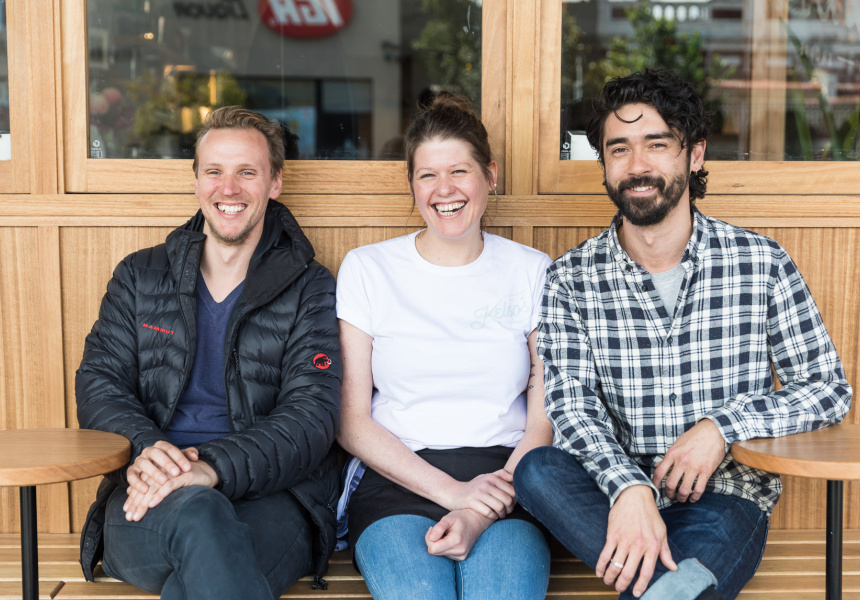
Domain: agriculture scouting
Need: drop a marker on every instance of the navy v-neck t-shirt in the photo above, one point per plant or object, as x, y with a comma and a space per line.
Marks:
201, 415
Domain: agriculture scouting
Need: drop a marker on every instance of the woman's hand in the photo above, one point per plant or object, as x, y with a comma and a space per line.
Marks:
491, 495
456, 533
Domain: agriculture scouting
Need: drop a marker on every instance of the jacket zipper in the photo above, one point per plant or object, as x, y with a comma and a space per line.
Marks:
235, 351
192, 351
245, 406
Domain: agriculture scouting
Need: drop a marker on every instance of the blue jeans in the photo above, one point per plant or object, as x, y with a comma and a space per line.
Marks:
509, 561
726, 534
198, 544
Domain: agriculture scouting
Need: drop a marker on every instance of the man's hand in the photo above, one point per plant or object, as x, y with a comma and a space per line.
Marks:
690, 461
491, 495
157, 463
139, 502
635, 533
456, 533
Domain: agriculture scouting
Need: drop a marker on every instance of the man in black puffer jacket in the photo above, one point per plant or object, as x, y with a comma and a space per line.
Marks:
216, 354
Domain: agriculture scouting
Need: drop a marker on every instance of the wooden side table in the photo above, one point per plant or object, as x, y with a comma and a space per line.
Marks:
30, 457
832, 453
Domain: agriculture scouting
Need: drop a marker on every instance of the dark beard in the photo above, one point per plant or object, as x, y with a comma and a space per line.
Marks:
647, 212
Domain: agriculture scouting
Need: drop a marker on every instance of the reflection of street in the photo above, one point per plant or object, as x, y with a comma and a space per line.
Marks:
782, 79
343, 75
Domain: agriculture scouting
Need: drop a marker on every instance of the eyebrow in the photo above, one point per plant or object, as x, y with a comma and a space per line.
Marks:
451, 166
216, 165
664, 135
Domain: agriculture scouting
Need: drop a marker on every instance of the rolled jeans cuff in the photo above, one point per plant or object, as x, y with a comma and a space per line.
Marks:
690, 580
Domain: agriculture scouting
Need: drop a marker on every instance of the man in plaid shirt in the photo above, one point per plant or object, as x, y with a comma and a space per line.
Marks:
657, 337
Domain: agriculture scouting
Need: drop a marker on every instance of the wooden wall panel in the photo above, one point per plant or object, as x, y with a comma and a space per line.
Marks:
24, 387
20, 373
89, 255
555, 241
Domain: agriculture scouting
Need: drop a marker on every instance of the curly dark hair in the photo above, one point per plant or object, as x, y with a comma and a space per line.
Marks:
672, 97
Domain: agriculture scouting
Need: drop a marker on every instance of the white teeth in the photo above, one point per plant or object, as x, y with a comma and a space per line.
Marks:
230, 209
447, 210
641, 189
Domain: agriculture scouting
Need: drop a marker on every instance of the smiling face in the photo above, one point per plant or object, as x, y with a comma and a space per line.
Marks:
234, 184
450, 188
647, 170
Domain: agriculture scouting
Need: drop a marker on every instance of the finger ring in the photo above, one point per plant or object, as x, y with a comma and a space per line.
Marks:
617, 564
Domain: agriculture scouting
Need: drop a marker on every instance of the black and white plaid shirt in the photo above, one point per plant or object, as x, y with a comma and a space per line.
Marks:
624, 378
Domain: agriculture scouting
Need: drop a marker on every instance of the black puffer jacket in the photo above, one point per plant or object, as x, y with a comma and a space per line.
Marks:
282, 371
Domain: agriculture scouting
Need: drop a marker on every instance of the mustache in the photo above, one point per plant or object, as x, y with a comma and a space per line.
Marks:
644, 181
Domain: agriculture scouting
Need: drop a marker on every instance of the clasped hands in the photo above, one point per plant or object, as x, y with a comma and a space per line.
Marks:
474, 506
636, 532
159, 470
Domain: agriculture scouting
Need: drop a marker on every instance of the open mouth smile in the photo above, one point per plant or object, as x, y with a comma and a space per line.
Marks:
231, 209
447, 210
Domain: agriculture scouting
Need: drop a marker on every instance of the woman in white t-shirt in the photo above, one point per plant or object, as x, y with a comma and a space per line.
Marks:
443, 389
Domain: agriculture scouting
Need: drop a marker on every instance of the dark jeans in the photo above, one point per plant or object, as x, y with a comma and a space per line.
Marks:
198, 544
726, 534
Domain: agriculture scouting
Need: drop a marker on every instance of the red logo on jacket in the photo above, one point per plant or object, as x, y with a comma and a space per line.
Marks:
321, 361
156, 328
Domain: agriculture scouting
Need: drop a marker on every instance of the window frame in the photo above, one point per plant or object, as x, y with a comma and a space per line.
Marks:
556, 176
170, 176
15, 173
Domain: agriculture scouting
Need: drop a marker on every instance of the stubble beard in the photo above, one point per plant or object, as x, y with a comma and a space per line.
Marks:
229, 241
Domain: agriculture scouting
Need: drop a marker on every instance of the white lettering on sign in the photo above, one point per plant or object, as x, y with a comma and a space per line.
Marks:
306, 12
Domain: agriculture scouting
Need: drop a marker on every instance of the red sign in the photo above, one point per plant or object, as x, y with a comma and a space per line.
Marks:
305, 18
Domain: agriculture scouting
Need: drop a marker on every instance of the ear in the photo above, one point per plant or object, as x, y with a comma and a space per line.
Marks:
277, 185
697, 156
493, 170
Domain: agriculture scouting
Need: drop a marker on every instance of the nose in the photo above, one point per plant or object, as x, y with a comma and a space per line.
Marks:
445, 188
639, 164
229, 184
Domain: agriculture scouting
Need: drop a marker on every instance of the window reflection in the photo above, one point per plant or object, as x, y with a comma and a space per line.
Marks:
5, 125
344, 75
782, 78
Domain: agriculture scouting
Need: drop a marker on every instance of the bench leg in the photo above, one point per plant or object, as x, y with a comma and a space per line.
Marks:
29, 544
834, 541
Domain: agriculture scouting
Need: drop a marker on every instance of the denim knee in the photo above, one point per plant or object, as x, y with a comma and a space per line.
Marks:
537, 472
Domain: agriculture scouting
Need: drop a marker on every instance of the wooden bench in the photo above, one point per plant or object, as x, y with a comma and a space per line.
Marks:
792, 569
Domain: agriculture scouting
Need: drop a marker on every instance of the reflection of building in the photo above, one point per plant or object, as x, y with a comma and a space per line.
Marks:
4, 80
792, 66
341, 93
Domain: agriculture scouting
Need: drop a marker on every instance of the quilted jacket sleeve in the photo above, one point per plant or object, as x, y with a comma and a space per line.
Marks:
287, 445
106, 382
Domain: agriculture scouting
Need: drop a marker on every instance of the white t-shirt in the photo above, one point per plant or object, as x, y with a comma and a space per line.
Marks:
450, 353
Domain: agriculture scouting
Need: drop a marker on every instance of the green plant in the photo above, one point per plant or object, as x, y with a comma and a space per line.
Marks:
449, 46
842, 139
160, 100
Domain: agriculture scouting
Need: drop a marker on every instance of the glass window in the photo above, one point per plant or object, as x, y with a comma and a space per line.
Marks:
344, 75
782, 79
5, 135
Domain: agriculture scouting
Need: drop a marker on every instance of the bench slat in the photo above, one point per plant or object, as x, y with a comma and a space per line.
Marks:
792, 569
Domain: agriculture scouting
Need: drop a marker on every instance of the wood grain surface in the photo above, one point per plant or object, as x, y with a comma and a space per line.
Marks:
829, 453
37, 456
